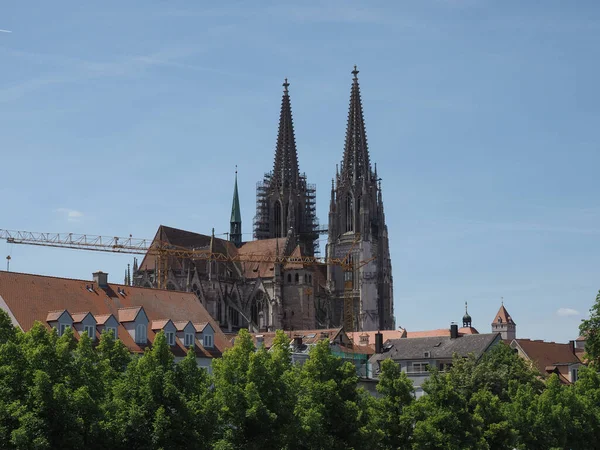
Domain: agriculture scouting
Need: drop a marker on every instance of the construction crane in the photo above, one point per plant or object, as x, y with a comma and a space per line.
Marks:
163, 250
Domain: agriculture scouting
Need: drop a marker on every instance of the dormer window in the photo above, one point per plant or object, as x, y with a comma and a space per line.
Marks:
112, 330
63, 327
208, 341
170, 337
90, 330
140, 334
499, 319
189, 340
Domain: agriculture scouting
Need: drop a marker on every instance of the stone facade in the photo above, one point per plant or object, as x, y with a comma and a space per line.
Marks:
357, 228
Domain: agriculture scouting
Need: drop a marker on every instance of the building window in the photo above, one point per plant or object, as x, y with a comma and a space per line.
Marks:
297, 278
310, 278
349, 213
112, 330
140, 334
90, 330
219, 311
420, 367
63, 327
170, 337
574, 374
208, 341
289, 277
189, 339
499, 319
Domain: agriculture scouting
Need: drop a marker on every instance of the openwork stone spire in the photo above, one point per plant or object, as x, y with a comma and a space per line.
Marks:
235, 224
285, 168
355, 163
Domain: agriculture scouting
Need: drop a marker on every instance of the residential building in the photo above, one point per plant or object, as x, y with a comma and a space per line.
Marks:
133, 314
550, 357
415, 356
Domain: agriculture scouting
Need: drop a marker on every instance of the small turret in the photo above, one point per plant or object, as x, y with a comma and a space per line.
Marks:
466, 318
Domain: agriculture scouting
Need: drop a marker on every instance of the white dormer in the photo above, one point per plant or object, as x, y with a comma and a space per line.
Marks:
85, 323
107, 323
60, 320
186, 332
135, 320
168, 327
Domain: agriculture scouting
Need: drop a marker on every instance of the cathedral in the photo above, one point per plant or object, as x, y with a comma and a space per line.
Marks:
264, 296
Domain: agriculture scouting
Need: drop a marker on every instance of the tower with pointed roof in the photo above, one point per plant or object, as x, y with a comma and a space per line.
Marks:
467, 318
357, 228
235, 224
285, 202
504, 324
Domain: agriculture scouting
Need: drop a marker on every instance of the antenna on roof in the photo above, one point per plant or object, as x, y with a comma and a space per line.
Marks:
8, 263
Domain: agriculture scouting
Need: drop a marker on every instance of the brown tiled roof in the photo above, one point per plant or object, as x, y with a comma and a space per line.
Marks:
200, 326
102, 318
160, 324
544, 354
387, 334
581, 338
128, 314
428, 333
467, 330
504, 315
31, 297
52, 316
181, 324
78, 317
267, 247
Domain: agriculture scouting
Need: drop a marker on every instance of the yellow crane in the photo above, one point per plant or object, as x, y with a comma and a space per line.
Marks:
163, 250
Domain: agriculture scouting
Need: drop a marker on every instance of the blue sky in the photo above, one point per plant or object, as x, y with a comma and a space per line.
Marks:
116, 117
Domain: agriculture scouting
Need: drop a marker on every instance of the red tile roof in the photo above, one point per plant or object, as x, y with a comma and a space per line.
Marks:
200, 326
52, 315
387, 334
102, 318
31, 297
181, 324
78, 317
308, 336
428, 333
160, 324
546, 354
504, 315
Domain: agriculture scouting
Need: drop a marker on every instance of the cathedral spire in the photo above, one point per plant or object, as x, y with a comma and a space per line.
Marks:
235, 224
285, 168
355, 163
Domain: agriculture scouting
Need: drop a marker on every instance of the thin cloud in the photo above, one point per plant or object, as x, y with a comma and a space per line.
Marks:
71, 215
5, 31
566, 312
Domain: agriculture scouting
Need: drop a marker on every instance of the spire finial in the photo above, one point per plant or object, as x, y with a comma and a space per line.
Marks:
355, 72
466, 311
285, 86
236, 170
502, 300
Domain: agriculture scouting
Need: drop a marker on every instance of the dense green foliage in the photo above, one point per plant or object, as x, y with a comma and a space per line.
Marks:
60, 392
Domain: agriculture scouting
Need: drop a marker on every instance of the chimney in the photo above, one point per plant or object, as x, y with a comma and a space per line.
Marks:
260, 341
378, 342
572, 346
101, 279
297, 341
453, 331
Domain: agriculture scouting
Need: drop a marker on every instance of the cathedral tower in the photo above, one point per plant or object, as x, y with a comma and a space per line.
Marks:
235, 223
357, 227
285, 203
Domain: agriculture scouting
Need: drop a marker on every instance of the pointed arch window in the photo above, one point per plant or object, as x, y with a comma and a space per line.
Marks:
277, 218
349, 212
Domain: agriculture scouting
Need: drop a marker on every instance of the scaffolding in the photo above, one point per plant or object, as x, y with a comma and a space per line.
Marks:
308, 223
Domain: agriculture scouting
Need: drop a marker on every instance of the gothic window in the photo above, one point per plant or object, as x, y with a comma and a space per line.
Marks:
305, 278
277, 218
285, 219
297, 278
310, 278
254, 312
289, 277
349, 213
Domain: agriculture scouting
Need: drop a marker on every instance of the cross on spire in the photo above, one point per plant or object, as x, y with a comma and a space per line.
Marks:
355, 73
285, 86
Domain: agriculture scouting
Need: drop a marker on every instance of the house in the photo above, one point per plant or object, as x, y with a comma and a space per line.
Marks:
133, 314
550, 357
301, 341
416, 355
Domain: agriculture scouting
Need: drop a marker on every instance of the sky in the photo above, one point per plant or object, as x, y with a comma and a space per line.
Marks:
483, 118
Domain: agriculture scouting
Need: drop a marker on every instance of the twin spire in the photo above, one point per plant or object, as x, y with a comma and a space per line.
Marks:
285, 167
355, 163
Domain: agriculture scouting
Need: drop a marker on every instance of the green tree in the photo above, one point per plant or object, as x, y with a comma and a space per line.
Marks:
590, 328
330, 410
389, 423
